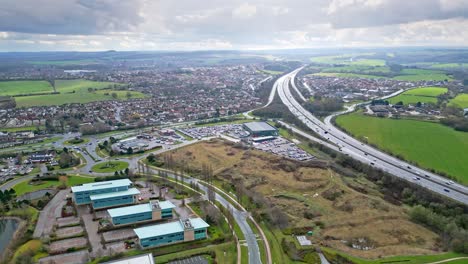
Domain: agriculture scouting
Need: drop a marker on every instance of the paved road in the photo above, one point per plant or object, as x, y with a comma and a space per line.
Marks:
323, 260
48, 215
240, 216
365, 153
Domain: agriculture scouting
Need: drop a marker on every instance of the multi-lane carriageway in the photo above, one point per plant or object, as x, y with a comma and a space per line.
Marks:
365, 153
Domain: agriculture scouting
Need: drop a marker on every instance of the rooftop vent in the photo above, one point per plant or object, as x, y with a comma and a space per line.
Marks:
186, 223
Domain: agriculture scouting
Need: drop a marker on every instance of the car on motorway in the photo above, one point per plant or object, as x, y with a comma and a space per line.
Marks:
446, 190
427, 176
408, 167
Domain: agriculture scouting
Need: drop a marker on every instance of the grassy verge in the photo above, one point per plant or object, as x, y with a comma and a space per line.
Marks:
277, 254
16, 129
24, 187
110, 166
73, 142
224, 253
184, 136
332, 254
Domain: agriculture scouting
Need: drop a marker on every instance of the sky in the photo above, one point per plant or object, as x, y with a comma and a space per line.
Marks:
96, 25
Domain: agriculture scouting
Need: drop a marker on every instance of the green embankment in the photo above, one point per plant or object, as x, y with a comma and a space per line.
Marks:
431, 145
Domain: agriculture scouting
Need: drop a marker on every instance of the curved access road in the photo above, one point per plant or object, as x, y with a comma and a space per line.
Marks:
366, 153
240, 215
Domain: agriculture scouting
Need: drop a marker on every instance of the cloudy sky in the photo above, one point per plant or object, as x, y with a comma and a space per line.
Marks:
88, 25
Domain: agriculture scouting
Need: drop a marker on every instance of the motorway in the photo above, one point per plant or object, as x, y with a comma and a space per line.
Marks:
365, 153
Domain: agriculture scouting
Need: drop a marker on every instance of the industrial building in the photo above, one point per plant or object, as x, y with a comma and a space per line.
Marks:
111, 199
82, 193
260, 129
135, 143
173, 232
140, 259
154, 210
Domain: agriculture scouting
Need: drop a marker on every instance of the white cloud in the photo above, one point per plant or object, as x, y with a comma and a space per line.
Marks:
244, 11
235, 24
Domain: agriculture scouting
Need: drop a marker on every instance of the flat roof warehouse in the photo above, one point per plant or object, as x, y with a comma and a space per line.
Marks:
259, 126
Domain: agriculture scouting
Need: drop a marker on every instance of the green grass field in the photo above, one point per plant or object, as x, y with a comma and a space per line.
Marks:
348, 75
110, 166
24, 87
448, 65
423, 259
422, 94
76, 91
16, 129
362, 69
422, 75
24, 187
349, 59
460, 101
272, 72
431, 145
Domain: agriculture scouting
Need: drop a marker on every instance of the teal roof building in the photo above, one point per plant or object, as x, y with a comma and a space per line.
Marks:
105, 194
152, 211
174, 232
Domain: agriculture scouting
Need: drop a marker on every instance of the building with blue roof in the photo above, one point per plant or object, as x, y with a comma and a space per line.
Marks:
152, 211
112, 199
82, 193
173, 232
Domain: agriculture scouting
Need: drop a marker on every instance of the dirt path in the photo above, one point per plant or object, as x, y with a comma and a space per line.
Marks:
447, 260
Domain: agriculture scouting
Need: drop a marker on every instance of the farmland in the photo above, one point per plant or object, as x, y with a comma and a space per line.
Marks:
430, 145
448, 65
349, 60
422, 75
76, 91
422, 94
358, 68
347, 75
306, 193
460, 101
13, 88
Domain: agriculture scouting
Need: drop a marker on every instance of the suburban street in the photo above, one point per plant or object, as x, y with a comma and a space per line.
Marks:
363, 152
